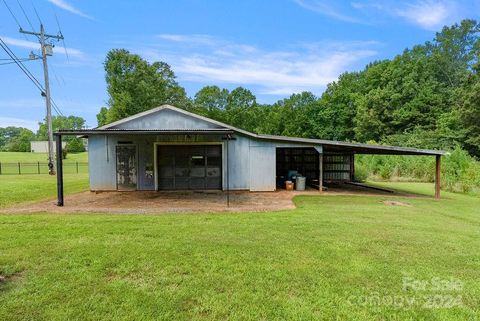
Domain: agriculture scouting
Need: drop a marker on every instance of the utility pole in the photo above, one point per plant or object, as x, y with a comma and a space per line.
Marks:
47, 51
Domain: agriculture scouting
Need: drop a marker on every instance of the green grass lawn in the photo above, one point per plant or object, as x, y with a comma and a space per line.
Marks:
32, 163
39, 157
16, 189
332, 258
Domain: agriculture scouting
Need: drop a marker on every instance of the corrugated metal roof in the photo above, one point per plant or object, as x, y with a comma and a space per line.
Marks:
359, 148
328, 145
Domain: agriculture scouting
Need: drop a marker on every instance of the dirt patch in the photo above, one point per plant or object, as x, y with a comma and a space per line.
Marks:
5, 280
151, 202
396, 203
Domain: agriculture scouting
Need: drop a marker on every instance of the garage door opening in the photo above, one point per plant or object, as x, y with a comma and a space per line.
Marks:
189, 167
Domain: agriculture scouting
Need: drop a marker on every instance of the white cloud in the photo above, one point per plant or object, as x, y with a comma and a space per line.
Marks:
17, 122
327, 8
298, 68
427, 14
430, 15
35, 45
191, 39
68, 7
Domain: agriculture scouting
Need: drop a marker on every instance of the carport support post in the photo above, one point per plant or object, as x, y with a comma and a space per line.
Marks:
437, 176
320, 172
59, 171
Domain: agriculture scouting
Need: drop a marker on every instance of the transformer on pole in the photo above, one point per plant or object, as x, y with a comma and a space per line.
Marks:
47, 50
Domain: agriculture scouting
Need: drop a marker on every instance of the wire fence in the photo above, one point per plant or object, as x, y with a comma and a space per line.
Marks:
19, 168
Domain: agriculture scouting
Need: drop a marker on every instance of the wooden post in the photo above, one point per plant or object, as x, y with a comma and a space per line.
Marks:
77, 166
437, 176
38, 167
19, 171
352, 167
320, 172
0, 168
59, 171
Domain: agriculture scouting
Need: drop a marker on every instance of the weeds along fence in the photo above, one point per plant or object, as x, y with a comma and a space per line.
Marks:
19, 168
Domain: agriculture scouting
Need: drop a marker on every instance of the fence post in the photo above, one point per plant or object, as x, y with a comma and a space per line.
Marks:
38, 167
0, 168
19, 171
77, 166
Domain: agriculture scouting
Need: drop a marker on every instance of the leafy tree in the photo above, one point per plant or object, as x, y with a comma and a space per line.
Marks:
211, 101
75, 145
293, 116
60, 122
7, 134
102, 116
241, 108
20, 142
469, 111
134, 85
337, 108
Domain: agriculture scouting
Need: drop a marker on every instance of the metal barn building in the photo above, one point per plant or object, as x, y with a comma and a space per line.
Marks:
167, 148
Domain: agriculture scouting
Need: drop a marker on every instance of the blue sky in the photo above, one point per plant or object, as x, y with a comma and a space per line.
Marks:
272, 47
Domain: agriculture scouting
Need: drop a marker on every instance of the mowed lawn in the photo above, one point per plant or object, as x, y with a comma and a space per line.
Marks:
332, 258
15, 189
39, 157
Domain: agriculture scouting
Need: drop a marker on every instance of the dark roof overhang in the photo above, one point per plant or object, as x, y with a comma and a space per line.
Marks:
88, 132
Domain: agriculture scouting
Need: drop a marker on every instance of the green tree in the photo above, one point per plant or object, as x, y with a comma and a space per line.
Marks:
21, 141
241, 109
60, 122
134, 85
211, 101
7, 134
469, 111
75, 145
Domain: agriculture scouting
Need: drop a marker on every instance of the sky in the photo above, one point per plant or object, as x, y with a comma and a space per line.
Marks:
272, 47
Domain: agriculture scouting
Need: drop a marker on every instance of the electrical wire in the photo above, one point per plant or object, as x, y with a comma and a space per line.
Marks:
11, 62
25, 14
21, 66
14, 18
36, 13
63, 39
11, 12
28, 74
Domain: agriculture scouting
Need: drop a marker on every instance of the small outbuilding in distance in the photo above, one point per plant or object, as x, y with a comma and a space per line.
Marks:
168, 148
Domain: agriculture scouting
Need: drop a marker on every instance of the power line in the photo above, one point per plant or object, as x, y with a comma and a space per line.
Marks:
36, 13
14, 17
28, 73
21, 66
25, 14
63, 40
11, 62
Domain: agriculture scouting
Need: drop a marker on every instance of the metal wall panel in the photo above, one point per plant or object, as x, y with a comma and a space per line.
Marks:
166, 119
101, 163
262, 168
251, 161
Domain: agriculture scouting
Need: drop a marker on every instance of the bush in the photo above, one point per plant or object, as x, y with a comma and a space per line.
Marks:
460, 172
75, 145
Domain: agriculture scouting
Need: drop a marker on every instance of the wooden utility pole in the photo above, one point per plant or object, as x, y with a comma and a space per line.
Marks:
47, 51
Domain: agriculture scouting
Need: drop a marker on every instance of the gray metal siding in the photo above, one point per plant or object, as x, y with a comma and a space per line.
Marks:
166, 119
262, 168
251, 161
101, 163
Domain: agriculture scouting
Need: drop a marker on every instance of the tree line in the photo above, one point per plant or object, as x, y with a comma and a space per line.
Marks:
17, 139
428, 97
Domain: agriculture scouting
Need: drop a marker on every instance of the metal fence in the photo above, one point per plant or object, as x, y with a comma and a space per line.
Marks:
19, 168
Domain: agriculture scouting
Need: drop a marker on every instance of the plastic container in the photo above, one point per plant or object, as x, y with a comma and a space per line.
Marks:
300, 183
289, 185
